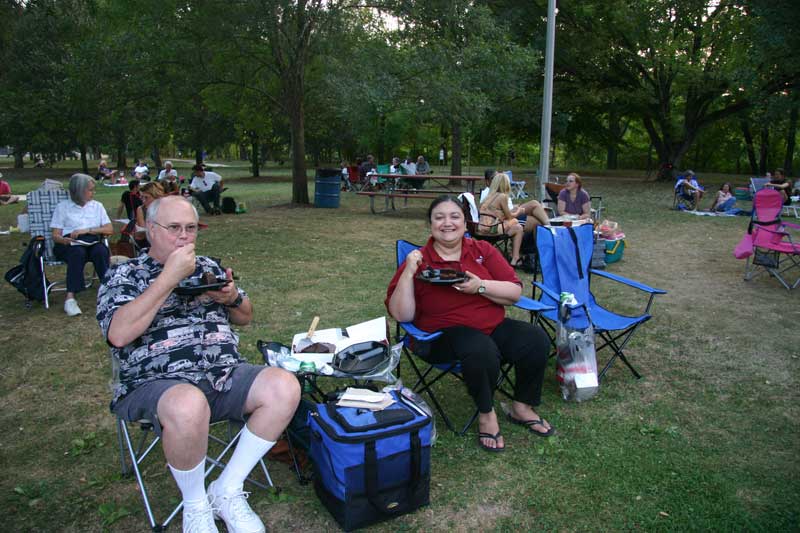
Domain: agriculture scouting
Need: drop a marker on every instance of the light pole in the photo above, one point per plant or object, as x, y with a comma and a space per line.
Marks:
547, 104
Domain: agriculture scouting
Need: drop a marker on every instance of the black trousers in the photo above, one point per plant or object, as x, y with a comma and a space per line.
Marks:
76, 258
209, 197
523, 344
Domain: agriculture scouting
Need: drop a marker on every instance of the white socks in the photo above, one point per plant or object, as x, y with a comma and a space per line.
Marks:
248, 451
191, 483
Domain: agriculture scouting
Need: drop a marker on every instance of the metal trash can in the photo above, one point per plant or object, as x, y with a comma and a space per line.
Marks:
327, 186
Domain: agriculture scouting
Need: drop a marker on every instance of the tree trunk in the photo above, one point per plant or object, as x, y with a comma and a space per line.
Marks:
748, 143
613, 136
157, 157
381, 137
84, 162
763, 160
198, 155
455, 163
298, 136
254, 159
788, 159
19, 157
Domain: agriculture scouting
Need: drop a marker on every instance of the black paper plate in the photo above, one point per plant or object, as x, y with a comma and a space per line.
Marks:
193, 287
442, 276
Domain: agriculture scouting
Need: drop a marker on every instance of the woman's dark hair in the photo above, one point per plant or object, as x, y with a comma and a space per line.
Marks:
448, 198
488, 174
730, 187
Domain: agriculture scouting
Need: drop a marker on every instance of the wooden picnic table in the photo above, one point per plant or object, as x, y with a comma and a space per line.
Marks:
451, 184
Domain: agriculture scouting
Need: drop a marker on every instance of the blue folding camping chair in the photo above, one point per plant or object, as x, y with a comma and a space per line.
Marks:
564, 258
428, 374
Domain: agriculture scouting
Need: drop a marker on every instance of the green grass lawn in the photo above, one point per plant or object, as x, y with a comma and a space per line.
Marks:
706, 440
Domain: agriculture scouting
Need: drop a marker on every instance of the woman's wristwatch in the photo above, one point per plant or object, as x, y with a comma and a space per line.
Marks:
482, 288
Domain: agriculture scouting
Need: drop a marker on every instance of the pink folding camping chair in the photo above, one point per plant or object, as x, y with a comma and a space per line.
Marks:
768, 246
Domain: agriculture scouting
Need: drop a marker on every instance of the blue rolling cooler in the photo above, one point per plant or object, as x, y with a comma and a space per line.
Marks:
370, 466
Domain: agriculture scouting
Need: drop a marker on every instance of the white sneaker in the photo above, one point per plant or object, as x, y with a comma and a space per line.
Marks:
198, 517
232, 507
71, 307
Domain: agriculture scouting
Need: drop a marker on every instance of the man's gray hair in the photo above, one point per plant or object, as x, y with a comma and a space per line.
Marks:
152, 211
78, 184
167, 163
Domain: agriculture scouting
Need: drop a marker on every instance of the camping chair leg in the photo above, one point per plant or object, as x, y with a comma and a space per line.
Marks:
427, 388
302, 479
618, 350
121, 424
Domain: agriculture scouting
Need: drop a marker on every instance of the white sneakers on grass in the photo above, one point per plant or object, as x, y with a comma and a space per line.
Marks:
71, 307
198, 517
232, 507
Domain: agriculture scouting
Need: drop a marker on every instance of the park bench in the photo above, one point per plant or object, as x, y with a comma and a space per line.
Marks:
448, 184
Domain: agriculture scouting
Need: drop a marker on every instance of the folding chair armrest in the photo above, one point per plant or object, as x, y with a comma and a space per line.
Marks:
626, 281
547, 291
793, 226
417, 333
534, 306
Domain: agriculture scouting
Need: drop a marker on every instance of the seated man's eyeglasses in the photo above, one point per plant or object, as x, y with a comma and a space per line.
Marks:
175, 229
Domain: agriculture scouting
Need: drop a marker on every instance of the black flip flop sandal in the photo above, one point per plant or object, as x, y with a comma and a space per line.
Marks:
530, 423
494, 437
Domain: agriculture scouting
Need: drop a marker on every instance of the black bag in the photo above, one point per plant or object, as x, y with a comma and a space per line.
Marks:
228, 205
28, 277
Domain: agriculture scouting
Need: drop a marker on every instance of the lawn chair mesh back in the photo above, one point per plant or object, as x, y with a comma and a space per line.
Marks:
133, 450
41, 204
427, 375
768, 245
564, 257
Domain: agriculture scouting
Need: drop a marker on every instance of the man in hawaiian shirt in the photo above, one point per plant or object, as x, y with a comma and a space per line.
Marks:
177, 363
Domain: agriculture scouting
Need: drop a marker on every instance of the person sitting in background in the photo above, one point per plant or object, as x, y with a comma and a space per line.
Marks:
6, 197
689, 188
724, 200
780, 184
471, 318
167, 172
79, 224
409, 166
530, 214
496, 218
103, 172
150, 192
178, 365
366, 167
140, 171
573, 200
422, 166
396, 167
130, 200
206, 186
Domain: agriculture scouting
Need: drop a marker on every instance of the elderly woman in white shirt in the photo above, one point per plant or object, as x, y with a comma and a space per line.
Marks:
79, 226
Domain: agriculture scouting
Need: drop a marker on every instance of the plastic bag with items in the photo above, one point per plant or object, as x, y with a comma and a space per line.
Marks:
576, 361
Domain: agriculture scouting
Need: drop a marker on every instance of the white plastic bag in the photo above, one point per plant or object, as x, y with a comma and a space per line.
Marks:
576, 362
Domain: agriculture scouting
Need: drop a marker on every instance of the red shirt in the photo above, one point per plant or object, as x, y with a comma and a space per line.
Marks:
441, 306
5, 188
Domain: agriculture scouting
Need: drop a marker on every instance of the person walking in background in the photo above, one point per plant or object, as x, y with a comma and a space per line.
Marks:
442, 155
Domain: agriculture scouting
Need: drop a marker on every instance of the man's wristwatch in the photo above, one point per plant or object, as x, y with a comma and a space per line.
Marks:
482, 288
236, 303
